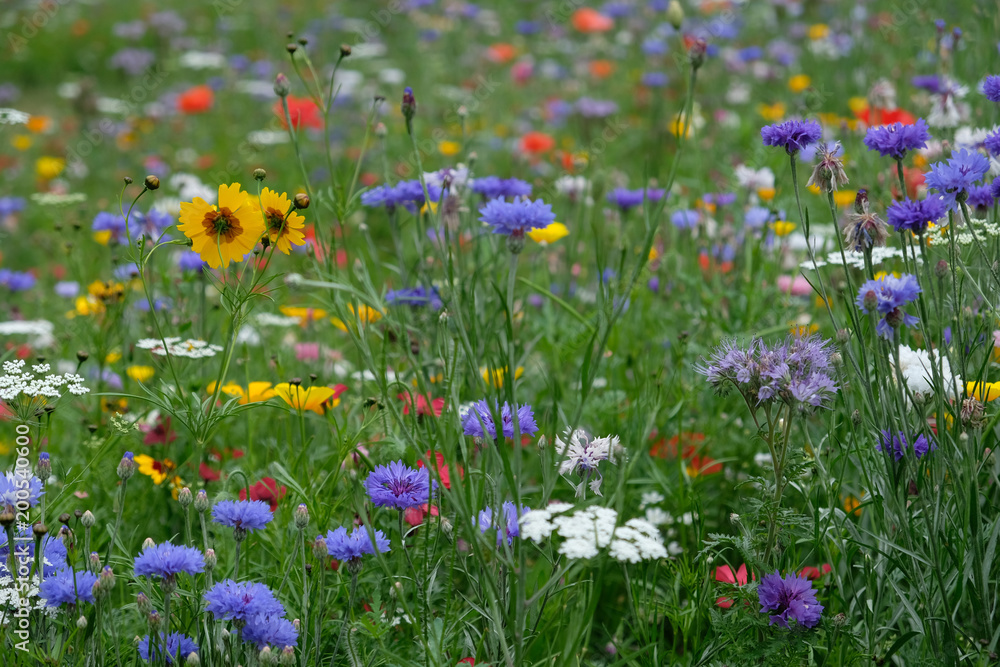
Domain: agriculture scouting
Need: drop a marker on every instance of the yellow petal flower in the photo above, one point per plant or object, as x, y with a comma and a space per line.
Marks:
140, 373
364, 313
549, 234
449, 148
798, 83
985, 391
284, 226
225, 233
301, 399
783, 228
497, 376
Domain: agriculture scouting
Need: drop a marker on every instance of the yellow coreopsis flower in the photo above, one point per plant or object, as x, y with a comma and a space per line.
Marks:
224, 233
21, 142
783, 227
549, 234
844, 197
818, 31
771, 112
48, 167
158, 471
255, 392
449, 148
301, 399
799, 82
985, 391
364, 313
496, 378
140, 373
305, 315
86, 305
284, 225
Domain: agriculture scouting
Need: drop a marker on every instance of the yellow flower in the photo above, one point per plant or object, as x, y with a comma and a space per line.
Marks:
549, 234
140, 373
364, 313
224, 233
818, 31
813, 189
49, 167
857, 104
802, 330
256, 392
284, 225
884, 274
798, 83
844, 197
852, 505
985, 391
106, 291
305, 315
112, 357
783, 228
497, 376
103, 237
449, 148
677, 122
149, 466
301, 399
771, 112
654, 254
176, 484
84, 306
21, 142
766, 194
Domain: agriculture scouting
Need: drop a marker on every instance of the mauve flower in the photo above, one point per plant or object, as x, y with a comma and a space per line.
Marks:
398, 486
792, 597
478, 421
792, 135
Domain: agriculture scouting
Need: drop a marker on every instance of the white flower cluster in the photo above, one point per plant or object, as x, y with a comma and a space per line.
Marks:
583, 453
16, 381
57, 199
11, 595
963, 235
273, 320
42, 330
190, 348
13, 117
586, 532
917, 370
857, 259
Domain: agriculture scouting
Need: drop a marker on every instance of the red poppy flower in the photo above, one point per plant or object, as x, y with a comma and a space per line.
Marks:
536, 143
415, 515
725, 575
196, 100
586, 19
501, 52
266, 490
303, 112
468, 661
810, 572
208, 474
160, 434
875, 116
424, 408
442, 469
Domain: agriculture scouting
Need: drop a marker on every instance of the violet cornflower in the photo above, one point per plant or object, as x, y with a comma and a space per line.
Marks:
952, 179
991, 88
914, 215
887, 296
397, 486
478, 421
792, 135
792, 597
894, 141
898, 445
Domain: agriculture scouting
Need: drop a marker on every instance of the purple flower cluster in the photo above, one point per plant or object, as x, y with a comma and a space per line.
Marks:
345, 546
625, 199
409, 194
179, 647
991, 88
506, 523
494, 187
478, 421
952, 178
53, 551
898, 445
68, 586
887, 296
798, 371
516, 217
247, 515
792, 597
16, 281
895, 140
914, 215
792, 135
167, 560
255, 606
992, 143
415, 296
398, 486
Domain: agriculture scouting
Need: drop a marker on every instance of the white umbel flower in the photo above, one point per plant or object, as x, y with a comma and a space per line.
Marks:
589, 531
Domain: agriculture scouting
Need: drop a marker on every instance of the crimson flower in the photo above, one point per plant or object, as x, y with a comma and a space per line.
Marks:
267, 490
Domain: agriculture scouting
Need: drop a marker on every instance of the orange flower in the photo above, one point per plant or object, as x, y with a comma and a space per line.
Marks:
501, 52
315, 398
586, 19
254, 393
601, 69
196, 100
537, 142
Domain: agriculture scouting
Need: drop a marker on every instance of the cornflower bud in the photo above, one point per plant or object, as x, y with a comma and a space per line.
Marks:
88, 519
941, 269
185, 497
281, 85
44, 469
319, 548
126, 468
143, 604
696, 52
148, 543
409, 105
95, 560
675, 14
107, 579
193, 660
301, 517
81, 623
287, 656
201, 503
210, 560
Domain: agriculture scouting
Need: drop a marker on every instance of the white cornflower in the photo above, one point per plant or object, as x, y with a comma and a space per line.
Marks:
583, 454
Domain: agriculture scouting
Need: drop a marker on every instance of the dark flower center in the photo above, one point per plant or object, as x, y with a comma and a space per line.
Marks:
222, 223
275, 220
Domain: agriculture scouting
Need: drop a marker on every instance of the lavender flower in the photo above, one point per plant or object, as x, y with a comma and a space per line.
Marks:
506, 523
493, 187
179, 646
953, 178
516, 217
991, 88
914, 216
626, 199
350, 547
792, 135
887, 296
792, 597
229, 600
685, 219
478, 421
398, 486
242, 515
895, 140
415, 296
167, 560
68, 586
262, 630
898, 445
980, 197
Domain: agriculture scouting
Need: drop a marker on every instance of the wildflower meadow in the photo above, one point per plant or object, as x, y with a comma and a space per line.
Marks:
503, 333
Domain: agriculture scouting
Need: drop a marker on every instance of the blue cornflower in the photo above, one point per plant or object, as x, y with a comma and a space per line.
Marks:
626, 199
980, 196
957, 175
506, 522
887, 295
516, 217
992, 143
914, 216
929, 82
895, 140
756, 217
685, 219
12, 482
53, 551
229, 600
276, 631
151, 223
68, 586
493, 187
792, 597
897, 444
398, 486
16, 281
11, 205
995, 188
991, 88
415, 296
188, 260
792, 135
242, 515
478, 421
179, 647
655, 79
109, 222
350, 547
167, 560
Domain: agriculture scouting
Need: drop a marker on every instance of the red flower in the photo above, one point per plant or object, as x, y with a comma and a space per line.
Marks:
876, 116
415, 515
303, 112
810, 572
535, 143
468, 661
160, 434
196, 100
266, 490
443, 472
208, 474
725, 575
424, 408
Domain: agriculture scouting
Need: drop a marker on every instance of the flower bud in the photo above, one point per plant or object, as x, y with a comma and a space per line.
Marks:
107, 579
7, 518
281, 85
319, 548
345, 50
39, 530
185, 497
148, 543
143, 604
287, 656
67, 537
301, 517
201, 503
941, 269
128, 180
154, 620
870, 302
840, 620
193, 660
843, 335
81, 623
88, 520
380, 130
126, 468
856, 418
675, 14
301, 201
259, 174
152, 182
95, 561
894, 318
82, 356
210, 560
973, 415
44, 469
696, 52
291, 47
409, 104
264, 657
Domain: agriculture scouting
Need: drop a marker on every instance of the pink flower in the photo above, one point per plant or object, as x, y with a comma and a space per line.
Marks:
307, 351
797, 286
725, 575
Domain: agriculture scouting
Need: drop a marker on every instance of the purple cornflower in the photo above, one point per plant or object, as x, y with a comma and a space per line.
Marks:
991, 88
953, 178
685, 219
792, 135
914, 215
415, 296
68, 289
53, 552
229, 600
995, 188
398, 486
350, 547
797, 371
188, 260
792, 597
591, 108
887, 296
654, 79
13, 485
167, 560
897, 444
516, 217
179, 647
929, 82
991, 143
109, 222
68, 586
626, 199
506, 522
895, 140
274, 631
16, 281
980, 196
242, 515
493, 187
478, 421
11, 205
